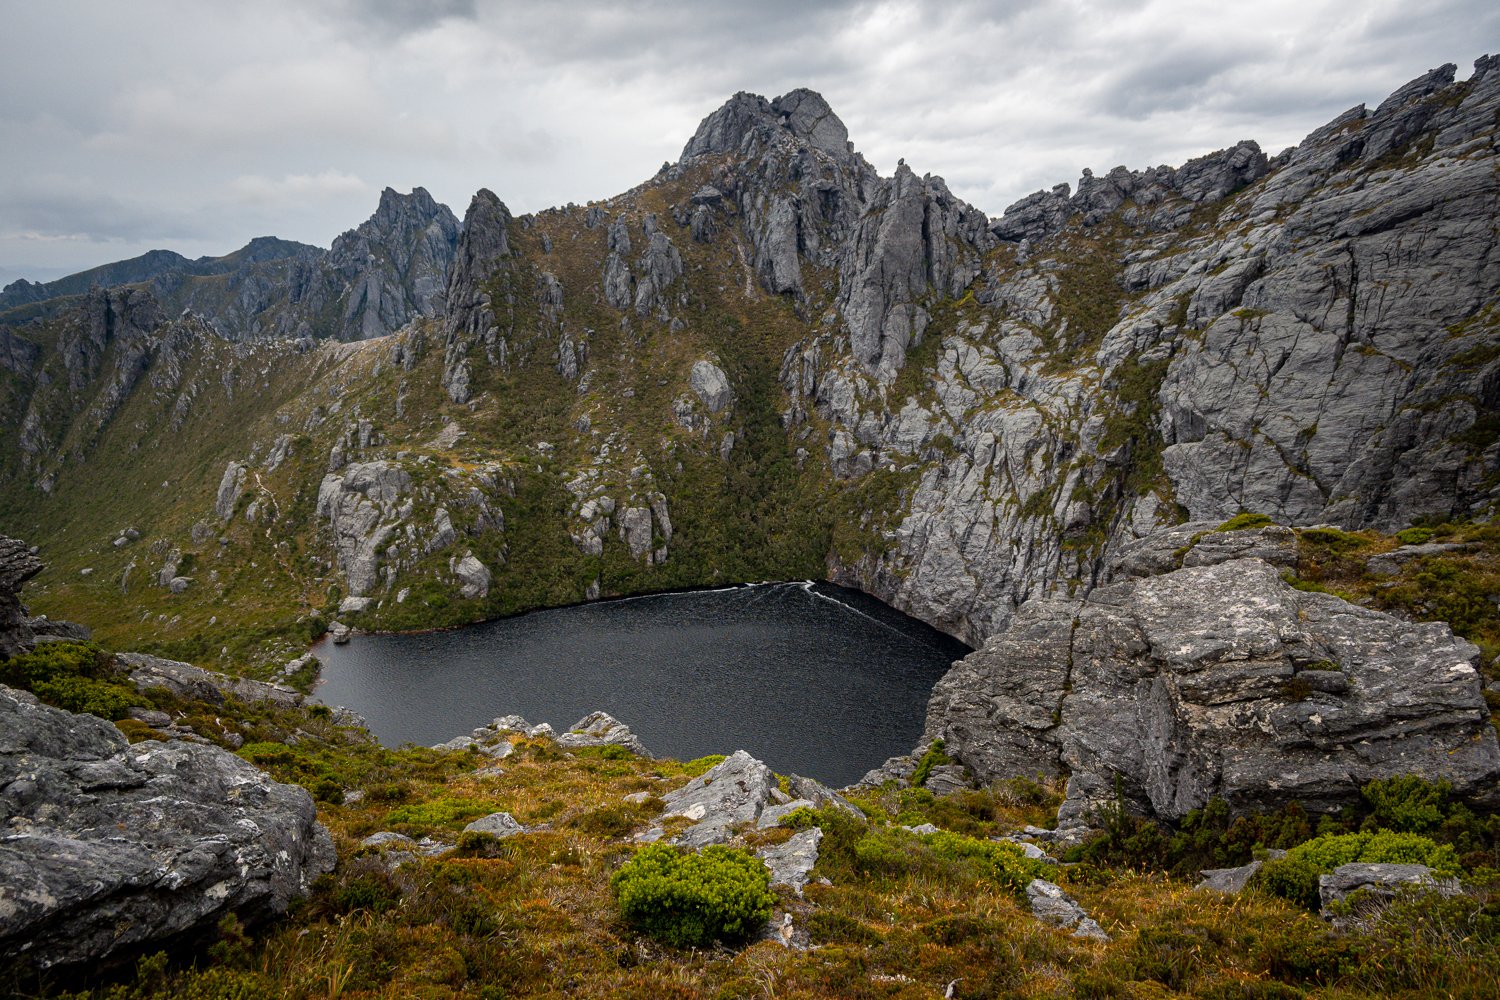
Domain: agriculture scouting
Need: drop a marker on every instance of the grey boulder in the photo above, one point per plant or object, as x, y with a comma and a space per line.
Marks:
1051, 905
1377, 885
110, 847
731, 793
600, 729
1217, 681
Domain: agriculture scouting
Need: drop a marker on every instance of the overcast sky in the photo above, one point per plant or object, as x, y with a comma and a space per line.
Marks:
195, 126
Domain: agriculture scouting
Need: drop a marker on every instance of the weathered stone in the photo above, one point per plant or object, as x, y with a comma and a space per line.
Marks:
1229, 880
709, 382
498, 824
1376, 885
473, 576
1181, 688
1051, 905
600, 729
792, 862
731, 793
229, 491
114, 847
197, 684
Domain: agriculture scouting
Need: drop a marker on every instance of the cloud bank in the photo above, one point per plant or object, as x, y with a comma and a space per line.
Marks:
196, 127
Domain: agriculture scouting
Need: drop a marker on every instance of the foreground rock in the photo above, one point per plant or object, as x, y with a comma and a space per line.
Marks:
109, 847
732, 793
1217, 681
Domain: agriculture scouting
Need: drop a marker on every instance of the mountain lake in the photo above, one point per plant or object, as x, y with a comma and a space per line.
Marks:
812, 678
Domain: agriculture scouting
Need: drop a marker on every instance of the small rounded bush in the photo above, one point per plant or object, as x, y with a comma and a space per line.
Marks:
692, 900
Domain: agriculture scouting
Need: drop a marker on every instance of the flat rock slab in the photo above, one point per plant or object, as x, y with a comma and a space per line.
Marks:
112, 847
1230, 880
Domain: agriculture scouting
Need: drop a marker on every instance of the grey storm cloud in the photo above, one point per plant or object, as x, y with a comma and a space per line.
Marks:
199, 126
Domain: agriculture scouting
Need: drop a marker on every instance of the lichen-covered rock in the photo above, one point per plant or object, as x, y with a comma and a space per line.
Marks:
1050, 904
1217, 681
600, 729
792, 862
187, 681
731, 793
110, 847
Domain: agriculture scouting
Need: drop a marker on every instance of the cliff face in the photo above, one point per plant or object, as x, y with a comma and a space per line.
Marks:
770, 361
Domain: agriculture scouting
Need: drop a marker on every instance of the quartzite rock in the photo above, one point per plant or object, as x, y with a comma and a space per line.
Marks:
1215, 681
600, 729
732, 792
112, 847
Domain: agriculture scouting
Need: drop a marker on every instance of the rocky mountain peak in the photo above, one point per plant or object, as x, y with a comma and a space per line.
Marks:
802, 113
809, 117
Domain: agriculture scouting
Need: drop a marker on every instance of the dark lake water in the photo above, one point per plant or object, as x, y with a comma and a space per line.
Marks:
811, 678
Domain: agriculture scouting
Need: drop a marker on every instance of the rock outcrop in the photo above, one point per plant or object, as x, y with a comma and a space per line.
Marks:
17, 565
110, 847
1217, 681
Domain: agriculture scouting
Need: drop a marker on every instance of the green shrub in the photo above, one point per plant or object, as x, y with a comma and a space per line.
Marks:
1005, 864
692, 900
1407, 802
1333, 539
76, 676
439, 812
1414, 536
694, 768
1244, 521
934, 757
85, 694
1295, 875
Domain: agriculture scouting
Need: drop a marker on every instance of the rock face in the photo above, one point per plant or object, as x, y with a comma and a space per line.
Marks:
998, 410
110, 846
362, 510
1219, 681
17, 565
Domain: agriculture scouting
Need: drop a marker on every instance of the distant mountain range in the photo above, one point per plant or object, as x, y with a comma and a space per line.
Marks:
374, 279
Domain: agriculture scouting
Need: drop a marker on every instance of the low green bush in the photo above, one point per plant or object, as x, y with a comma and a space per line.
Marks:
1244, 521
76, 676
1005, 864
693, 900
1407, 802
1294, 876
1414, 536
